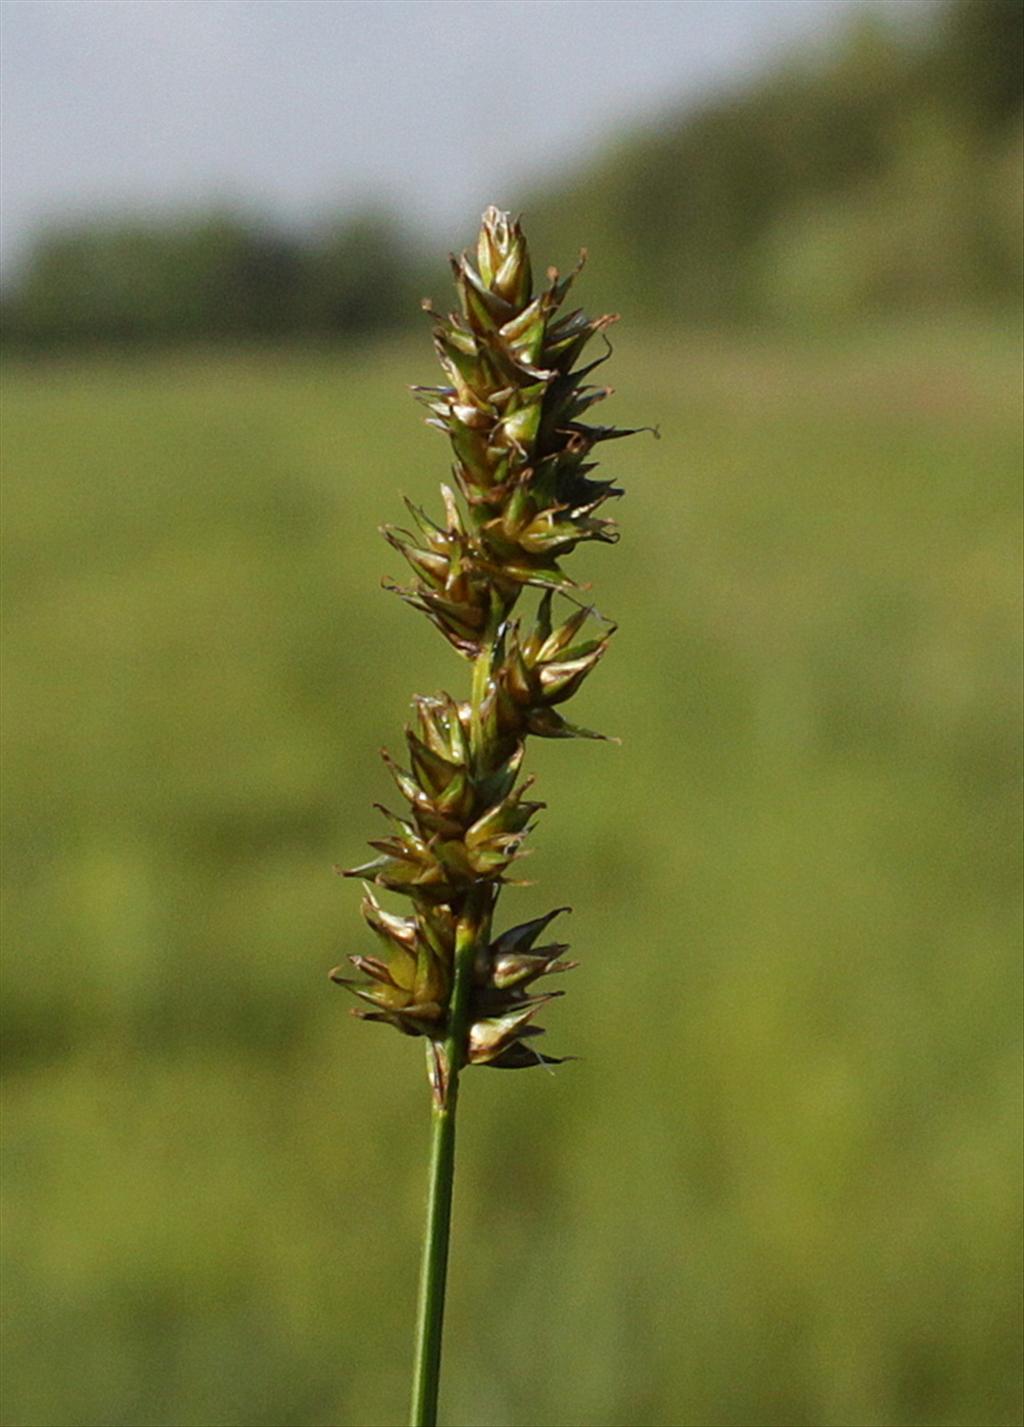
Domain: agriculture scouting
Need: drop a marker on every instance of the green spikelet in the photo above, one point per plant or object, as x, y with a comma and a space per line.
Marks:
525, 496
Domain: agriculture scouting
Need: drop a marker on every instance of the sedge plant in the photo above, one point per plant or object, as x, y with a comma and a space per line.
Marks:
524, 496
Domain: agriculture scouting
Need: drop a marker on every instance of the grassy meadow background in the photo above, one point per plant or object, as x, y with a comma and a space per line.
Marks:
782, 1183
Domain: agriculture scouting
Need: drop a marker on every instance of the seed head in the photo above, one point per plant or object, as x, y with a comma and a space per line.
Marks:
512, 405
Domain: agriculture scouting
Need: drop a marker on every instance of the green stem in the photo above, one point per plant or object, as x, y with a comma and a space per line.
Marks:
474, 928
434, 1271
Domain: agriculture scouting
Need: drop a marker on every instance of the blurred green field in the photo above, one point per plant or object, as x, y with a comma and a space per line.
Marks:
782, 1183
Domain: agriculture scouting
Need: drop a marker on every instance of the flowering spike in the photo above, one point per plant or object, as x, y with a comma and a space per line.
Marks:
513, 403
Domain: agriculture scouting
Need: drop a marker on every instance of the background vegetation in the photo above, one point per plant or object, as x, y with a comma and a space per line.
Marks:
878, 175
782, 1184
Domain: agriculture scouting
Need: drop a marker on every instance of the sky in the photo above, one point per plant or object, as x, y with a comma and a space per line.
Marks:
300, 109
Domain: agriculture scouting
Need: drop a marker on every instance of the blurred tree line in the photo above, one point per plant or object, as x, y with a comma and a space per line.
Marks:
214, 276
882, 174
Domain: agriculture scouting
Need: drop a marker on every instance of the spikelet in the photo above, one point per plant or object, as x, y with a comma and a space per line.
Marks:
524, 497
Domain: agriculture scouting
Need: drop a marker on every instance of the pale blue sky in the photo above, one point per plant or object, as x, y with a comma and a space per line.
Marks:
304, 107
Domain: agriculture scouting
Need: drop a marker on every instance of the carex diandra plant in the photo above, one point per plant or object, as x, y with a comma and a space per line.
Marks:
524, 495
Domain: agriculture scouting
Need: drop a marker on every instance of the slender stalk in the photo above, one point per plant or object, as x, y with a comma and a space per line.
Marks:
434, 1269
474, 929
